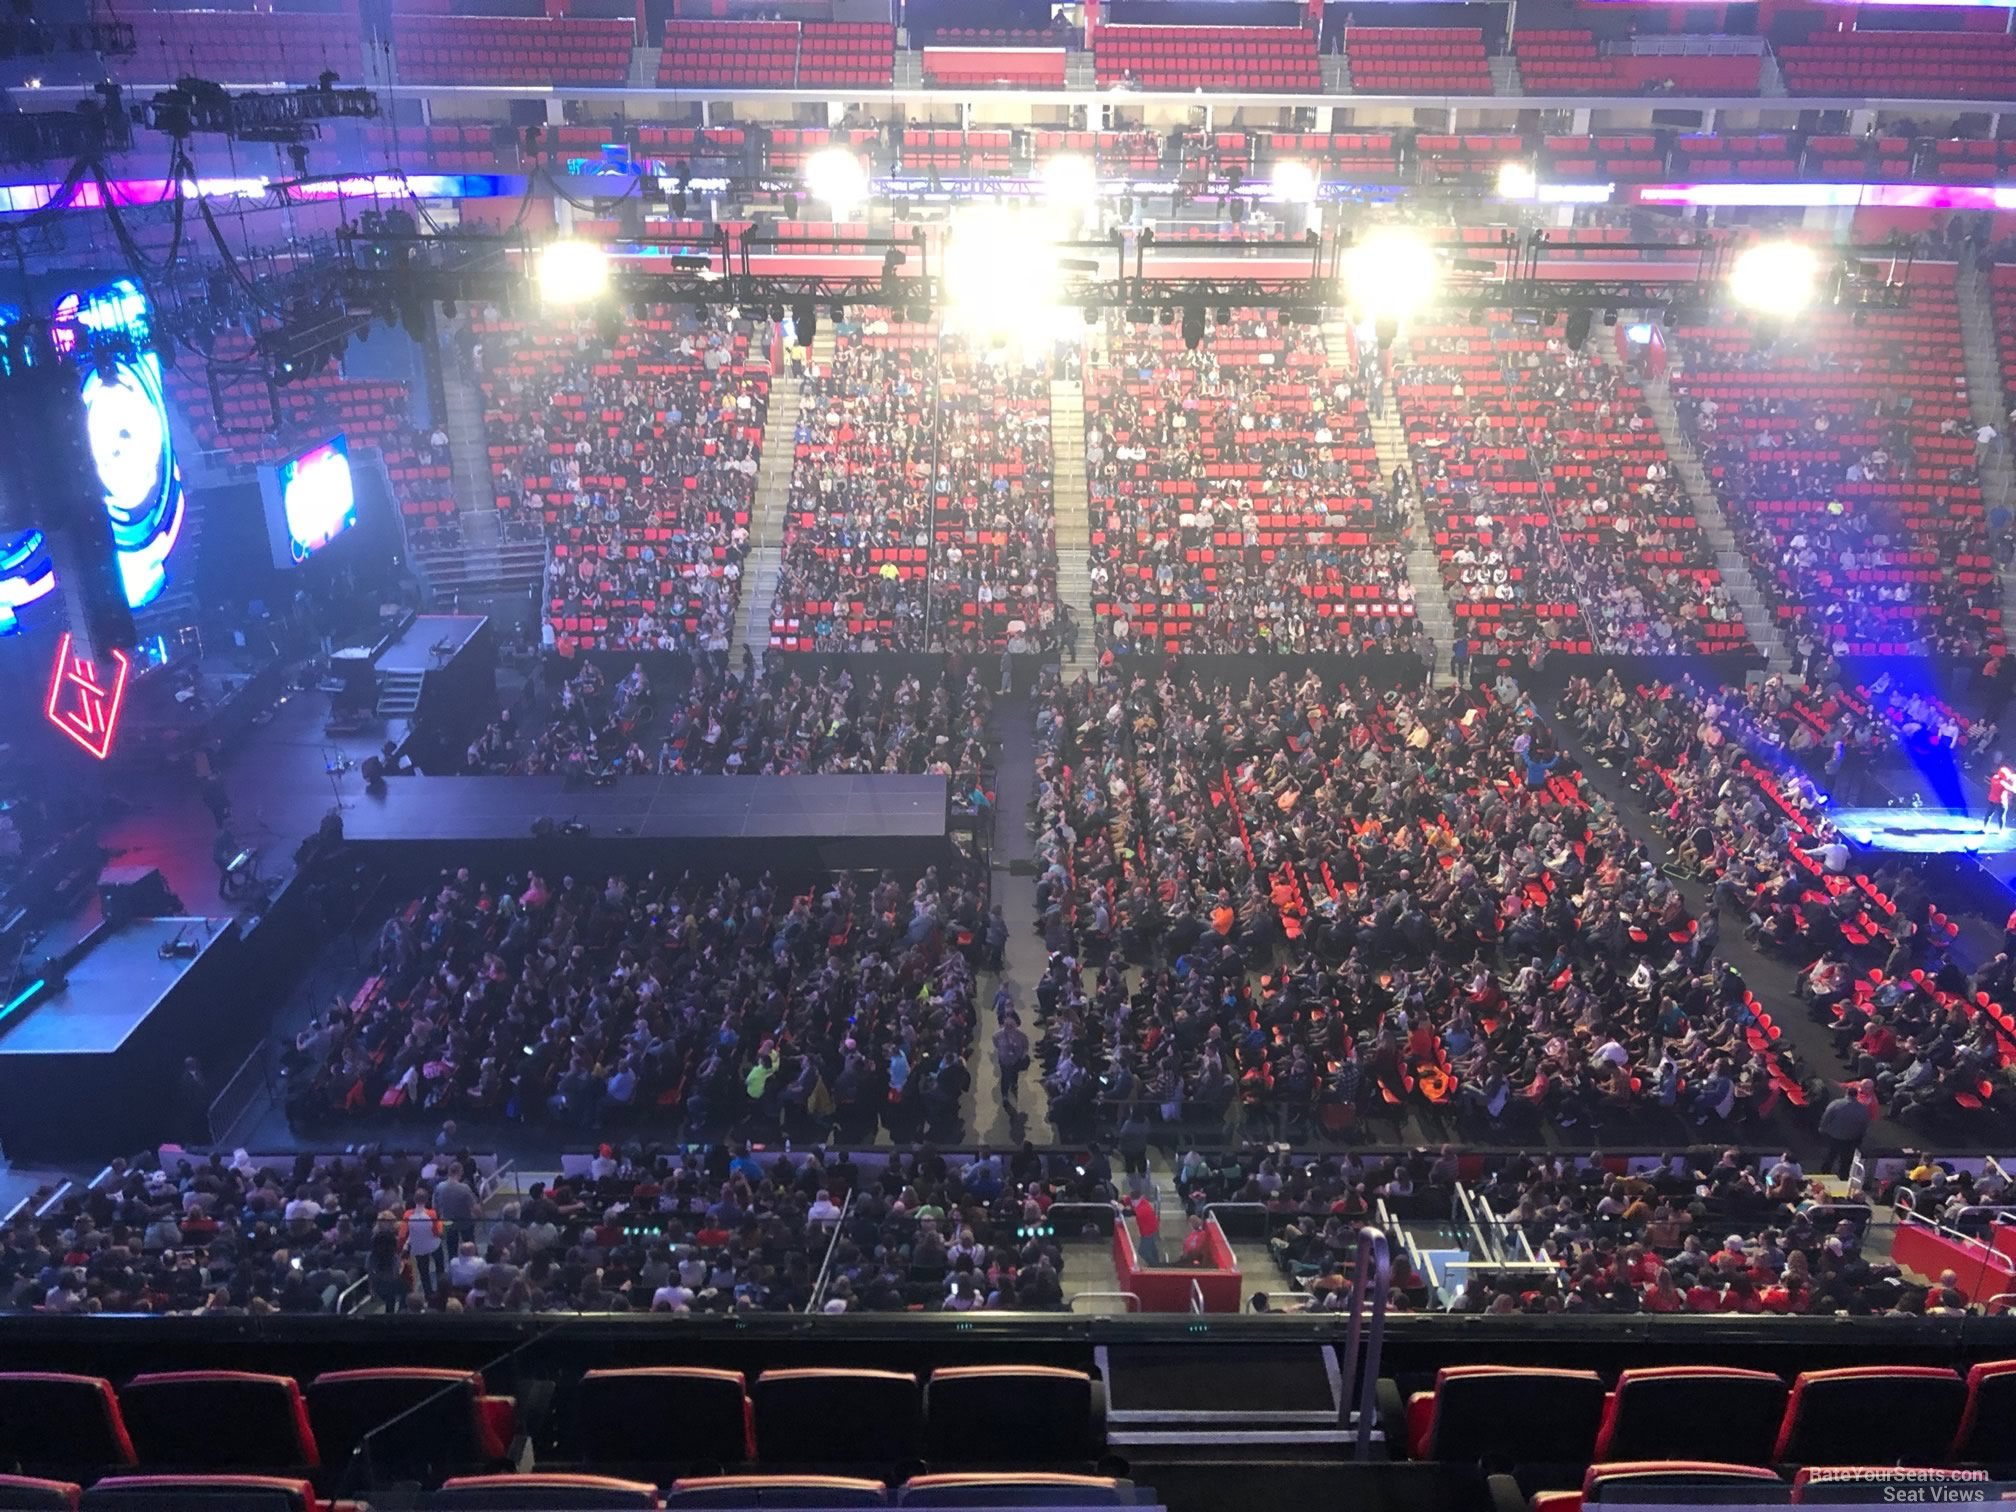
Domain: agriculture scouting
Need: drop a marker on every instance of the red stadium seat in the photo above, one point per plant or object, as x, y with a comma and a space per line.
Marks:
1687, 1412
1891, 1414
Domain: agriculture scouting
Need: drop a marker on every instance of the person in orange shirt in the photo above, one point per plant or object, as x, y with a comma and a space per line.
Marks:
1224, 917
420, 1235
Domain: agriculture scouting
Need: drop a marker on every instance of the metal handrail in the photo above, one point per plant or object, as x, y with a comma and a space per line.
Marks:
488, 1186
818, 1298
2005, 1298
1133, 1298
54, 1200
352, 1296
1196, 1295
1362, 1346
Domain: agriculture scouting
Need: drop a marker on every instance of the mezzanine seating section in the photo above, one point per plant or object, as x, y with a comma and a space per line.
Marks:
1614, 157
757, 54
1966, 65
1263, 58
240, 47
1843, 451
1569, 61
511, 50
1418, 60
2002, 294
1113, 151
1002, 67
1251, 524
846, 54
1738, 156
446, 148
638, 462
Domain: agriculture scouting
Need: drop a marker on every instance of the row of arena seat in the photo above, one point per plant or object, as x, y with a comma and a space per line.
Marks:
1967, 65
777, 54
1279, 58
239, 47
1502, 1416
1423, 60
511, 49
553, 1492
656, 1422
1568, 61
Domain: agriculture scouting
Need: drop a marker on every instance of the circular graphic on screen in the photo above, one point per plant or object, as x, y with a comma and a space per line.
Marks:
126, 419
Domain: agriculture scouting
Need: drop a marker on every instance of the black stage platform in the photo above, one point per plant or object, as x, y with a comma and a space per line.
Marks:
827, 822
95, 1066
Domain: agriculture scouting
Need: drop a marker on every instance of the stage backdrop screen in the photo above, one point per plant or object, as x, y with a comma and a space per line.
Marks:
310, 501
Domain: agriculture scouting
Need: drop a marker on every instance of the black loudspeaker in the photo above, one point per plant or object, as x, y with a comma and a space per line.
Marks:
1578, 328
136, 892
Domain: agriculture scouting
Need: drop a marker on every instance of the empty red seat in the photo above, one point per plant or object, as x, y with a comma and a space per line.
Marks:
534, 1492
1024, 1490
1987, 1433
664, 1416
174, 1419
1013, 1415
27, 1493
410, 1423
213, 1493
1636, 1478
1693, 1412
838, 1417
1889, 1414
1506, 1414
62, 1425
752, 1491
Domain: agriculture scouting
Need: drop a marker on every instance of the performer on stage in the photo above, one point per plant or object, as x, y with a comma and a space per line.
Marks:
2001, 787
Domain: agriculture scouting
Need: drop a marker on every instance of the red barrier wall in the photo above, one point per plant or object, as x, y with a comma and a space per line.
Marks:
1981, 1271
1166, 1288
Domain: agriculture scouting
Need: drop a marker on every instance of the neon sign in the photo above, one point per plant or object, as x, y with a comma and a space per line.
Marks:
85, 699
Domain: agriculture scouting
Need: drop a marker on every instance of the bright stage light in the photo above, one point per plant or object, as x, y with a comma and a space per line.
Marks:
1071, 181
1390, 274
1001, 273
1518, 181
572, 271
835, 175
1295, 183
1777, 278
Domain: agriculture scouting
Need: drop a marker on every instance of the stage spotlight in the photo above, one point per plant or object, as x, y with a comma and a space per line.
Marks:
805, 322
1193, 326
1223, 315
1775, 278
835, 175
1000, 270
572, 271
1517, 181
1295, 183
1391, 273
1071, 181
1168, 315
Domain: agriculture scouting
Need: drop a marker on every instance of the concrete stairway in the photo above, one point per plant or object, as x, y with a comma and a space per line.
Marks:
1074, 519
909, 68
1424, 569
773, 495
1078, 72
1734, 566
468, 448
644, 67
1505, 78
1336, 73
1982, 350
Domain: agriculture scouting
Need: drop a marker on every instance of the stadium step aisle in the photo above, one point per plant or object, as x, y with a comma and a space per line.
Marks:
1073, 508
759, 593
1505, 78
773, 473
1984, 401
1729, 559
644, 67
468, 443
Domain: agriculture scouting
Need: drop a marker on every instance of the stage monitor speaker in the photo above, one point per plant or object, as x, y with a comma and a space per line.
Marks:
136, 892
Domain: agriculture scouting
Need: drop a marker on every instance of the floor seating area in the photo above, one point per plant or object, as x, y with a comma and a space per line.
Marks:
511, 49
1208, 57
239, 47
1252, 525
1967, 65
639, 463
1862, 515
1417, 60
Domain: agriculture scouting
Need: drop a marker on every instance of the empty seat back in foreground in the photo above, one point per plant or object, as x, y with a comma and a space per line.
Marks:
666, 1416
736, 1492
540, 1492
219, 1420
1705, 1413
838, 1417
1013, 1415
1872, 1414
61, 1424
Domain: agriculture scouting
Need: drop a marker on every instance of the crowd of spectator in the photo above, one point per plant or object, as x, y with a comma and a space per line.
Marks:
1442, 913
588, 1004
814, 720
1556, 514
722, 1229
636, 446
1235, 495
1846, 459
